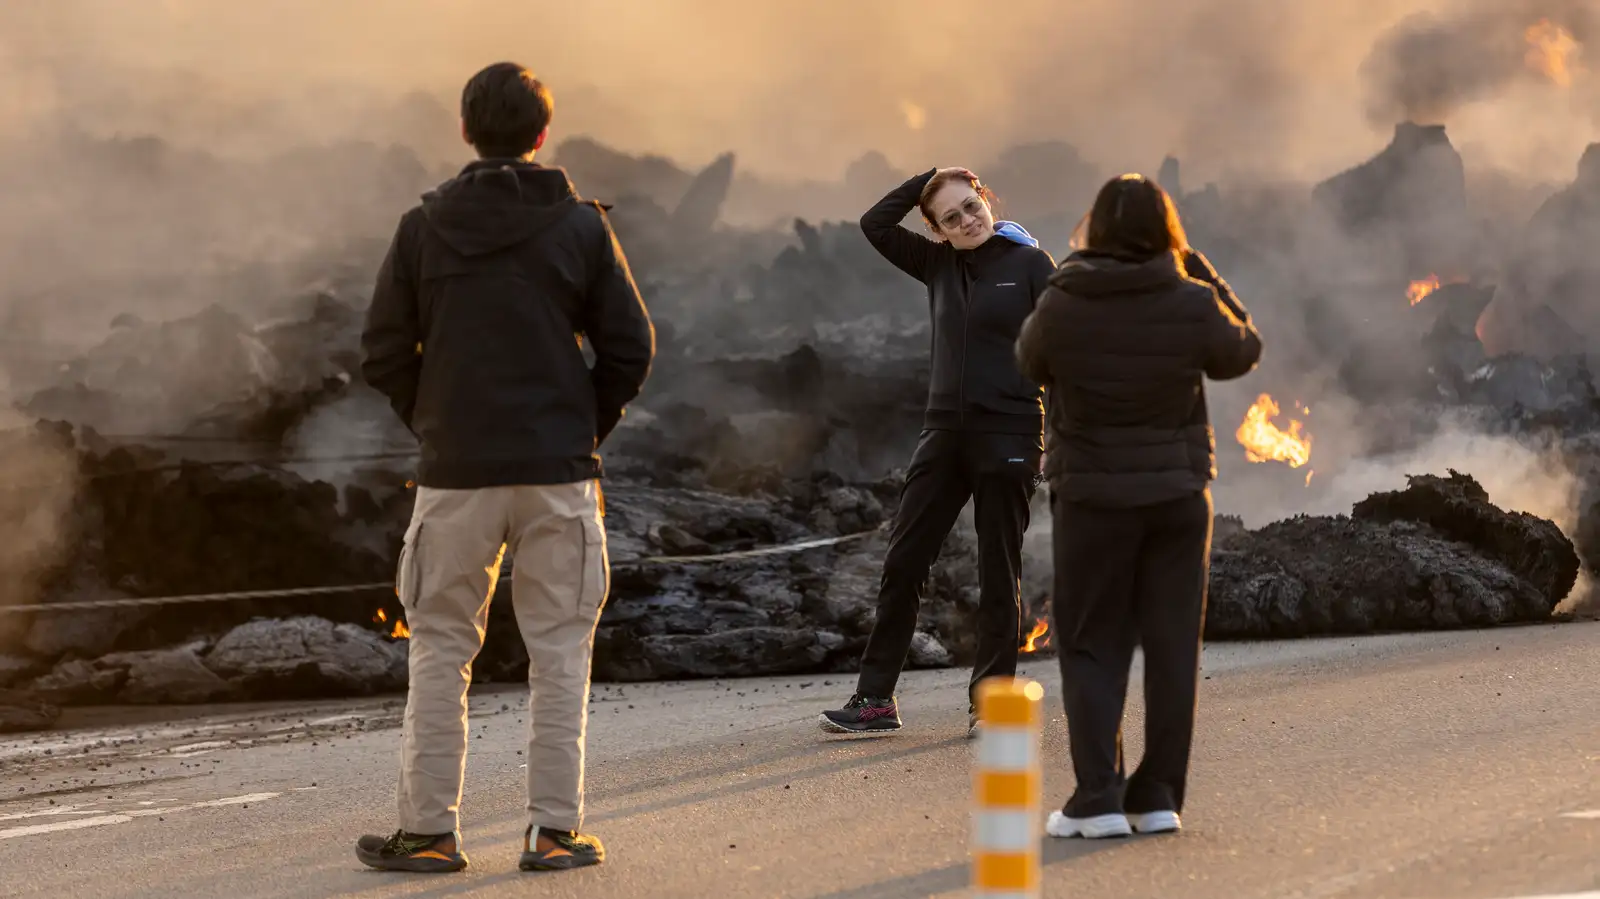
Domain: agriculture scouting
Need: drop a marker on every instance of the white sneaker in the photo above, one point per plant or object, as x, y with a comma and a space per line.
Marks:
1156, 822
1097, 828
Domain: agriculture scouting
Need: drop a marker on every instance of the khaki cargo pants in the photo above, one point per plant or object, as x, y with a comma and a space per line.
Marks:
560, 576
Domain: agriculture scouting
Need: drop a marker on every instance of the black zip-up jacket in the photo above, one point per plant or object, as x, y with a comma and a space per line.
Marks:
477, 323
1124, 346
978, 299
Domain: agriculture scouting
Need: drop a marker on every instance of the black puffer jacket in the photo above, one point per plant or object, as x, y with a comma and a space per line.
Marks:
978, 299
1123, 347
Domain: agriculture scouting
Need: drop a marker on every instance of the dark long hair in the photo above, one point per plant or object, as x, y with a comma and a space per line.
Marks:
1132, 218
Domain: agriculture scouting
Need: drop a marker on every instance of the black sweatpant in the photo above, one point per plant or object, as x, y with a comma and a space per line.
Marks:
1127, 577
999, 472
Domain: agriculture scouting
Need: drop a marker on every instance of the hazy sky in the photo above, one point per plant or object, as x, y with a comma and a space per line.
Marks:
798, 88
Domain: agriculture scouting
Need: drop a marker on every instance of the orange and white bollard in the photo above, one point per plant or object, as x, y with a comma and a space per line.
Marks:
1006, 785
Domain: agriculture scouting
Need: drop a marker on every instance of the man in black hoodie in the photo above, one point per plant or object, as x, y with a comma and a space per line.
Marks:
475, 334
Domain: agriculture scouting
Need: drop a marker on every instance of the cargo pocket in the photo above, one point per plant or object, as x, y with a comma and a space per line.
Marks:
408, 574
595, 576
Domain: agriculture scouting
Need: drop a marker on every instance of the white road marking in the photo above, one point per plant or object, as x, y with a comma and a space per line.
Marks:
50, 812
114, 741
1592, 894
1589, 815
103, 819
77, 824
189, 749
236, 800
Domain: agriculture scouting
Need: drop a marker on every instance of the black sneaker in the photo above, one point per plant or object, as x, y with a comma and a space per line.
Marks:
416, 852
972, 723
862, 715
559, 850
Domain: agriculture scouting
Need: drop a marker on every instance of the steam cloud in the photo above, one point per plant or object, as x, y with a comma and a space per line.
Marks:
37, 484
1432, 64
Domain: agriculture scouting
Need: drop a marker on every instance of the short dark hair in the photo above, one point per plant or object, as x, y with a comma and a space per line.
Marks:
1132, 217
503, 110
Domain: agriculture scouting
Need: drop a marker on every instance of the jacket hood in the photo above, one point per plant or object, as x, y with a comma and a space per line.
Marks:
1088, 273
497, 203
1015, 233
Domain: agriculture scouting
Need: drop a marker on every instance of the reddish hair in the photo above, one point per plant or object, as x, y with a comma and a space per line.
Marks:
948, 176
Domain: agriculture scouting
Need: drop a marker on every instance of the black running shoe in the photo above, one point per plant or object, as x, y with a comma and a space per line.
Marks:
862, 715
972, 723
416, 852
559, 850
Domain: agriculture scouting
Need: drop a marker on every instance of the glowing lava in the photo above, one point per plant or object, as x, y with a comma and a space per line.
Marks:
399, 631
1038, 637
1419, 290
1264, 441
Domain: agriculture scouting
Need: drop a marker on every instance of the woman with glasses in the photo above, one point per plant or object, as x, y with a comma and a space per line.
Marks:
1131, 325
982, 429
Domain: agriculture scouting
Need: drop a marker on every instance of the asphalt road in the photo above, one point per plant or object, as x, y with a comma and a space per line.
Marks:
1447, 765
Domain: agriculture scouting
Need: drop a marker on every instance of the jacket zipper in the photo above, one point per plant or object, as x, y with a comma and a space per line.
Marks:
966, 315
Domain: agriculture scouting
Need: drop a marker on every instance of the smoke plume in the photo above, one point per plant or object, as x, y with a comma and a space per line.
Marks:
37, 485
1434, 63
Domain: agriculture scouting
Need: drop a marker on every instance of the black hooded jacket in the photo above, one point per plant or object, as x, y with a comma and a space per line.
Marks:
1124, 347
978, 299
477, 324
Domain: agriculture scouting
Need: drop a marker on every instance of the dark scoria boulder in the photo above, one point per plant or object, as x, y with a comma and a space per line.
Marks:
788, 612
195, 527
741, 652
1458, 508
800, 612
21, 711
1434, 556
308, 656
294, 658
1335, 575
17, 668
144, 524
156, 677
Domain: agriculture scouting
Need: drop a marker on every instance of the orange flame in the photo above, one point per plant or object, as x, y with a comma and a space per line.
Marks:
1040, 629
1264, 441
1549, 50
1419, 290
399, 631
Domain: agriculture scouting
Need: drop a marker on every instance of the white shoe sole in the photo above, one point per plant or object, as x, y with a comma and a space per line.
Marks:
1097, 828
1156, 822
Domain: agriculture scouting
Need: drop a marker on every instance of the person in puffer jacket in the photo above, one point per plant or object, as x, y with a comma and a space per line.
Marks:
1130, 326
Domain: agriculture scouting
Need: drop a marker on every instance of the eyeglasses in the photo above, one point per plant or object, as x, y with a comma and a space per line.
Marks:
951, 220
